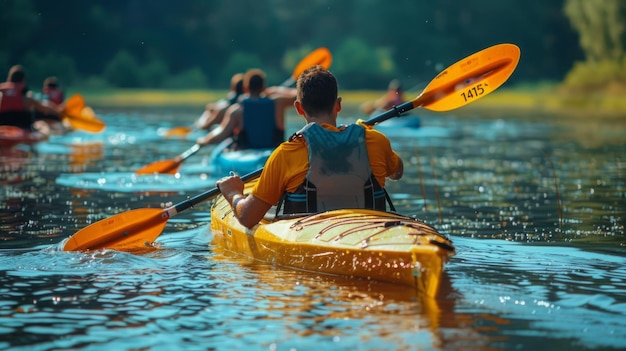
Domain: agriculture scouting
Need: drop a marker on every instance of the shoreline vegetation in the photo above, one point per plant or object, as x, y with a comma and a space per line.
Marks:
611, 106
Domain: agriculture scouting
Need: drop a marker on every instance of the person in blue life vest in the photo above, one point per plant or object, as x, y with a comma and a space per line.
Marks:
17, 107
257, 121
321, 167
215, 111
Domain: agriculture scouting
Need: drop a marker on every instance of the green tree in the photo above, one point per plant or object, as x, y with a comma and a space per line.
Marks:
17, 14
123, 70
239, 62
602, 29
39, 66
601, 26
359, 66
192, 78
417, 37
154, 74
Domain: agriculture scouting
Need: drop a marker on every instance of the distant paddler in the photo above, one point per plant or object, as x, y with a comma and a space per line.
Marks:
393, 97
17, 106
257, 121
54, 96
214, 112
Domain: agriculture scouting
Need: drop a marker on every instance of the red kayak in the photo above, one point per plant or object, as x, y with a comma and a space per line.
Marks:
12, 135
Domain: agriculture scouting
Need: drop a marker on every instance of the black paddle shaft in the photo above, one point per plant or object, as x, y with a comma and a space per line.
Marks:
395, 111
212, 193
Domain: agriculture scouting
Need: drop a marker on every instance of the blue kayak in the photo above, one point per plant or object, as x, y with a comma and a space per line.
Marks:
224, 159
238, 161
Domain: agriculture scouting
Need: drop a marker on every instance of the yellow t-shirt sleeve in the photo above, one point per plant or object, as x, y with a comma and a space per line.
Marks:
284, 170
383, 160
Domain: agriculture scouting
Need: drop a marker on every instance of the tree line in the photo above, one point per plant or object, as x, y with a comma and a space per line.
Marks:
200, 43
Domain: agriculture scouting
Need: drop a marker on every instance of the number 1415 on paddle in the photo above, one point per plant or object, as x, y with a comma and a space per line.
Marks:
474, 92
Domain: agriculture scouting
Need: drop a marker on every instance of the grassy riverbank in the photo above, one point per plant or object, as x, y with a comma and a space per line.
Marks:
609, 106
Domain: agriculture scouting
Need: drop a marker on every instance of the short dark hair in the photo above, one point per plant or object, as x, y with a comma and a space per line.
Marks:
317, 90
236, 83
17, 74
51, 82
254, 80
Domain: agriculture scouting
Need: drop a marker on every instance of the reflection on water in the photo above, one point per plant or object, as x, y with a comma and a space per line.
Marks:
554, 190
518, 180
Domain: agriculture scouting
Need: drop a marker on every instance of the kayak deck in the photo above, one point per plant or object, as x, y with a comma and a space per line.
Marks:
358, 243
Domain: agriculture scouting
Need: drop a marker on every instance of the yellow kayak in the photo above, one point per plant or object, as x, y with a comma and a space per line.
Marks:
358, 243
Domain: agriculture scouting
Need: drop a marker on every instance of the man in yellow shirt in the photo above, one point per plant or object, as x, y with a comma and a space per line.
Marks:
321, 167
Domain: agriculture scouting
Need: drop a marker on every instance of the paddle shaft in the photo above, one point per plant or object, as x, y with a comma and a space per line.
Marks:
181, 206
192, 150
395, 111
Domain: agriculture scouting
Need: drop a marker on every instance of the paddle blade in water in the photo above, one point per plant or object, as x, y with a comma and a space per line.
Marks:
177, 131
320, 56
128, 231
162, 167
470, 78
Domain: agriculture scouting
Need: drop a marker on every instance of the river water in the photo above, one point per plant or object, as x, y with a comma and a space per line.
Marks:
535, 205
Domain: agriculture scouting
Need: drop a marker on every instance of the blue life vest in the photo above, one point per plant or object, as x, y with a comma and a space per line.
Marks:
339, 173
259, 125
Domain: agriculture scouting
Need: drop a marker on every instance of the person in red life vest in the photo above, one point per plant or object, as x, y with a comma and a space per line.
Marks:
55, 98
53, 91
17, 108
257, 121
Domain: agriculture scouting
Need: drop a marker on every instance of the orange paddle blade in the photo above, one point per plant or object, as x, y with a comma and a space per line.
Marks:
88, 113
462, 83
80, 116
135, 230
470, 78
171, 166
177, 131
162, 167
74, 104
85, 120
129, 231
320, 56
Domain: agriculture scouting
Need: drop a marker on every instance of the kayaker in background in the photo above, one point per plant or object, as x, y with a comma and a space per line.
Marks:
54, 97
258, 120
322, 166
214, 112
53, 92
17, 107
393, 97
